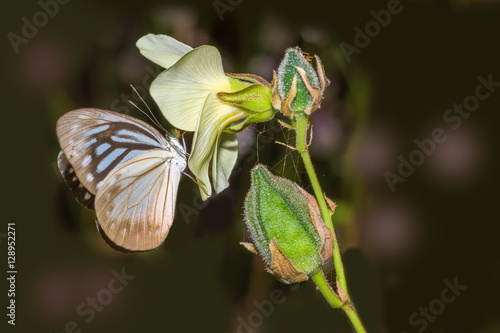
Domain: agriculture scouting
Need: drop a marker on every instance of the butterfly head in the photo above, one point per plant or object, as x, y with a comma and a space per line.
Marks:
174, 136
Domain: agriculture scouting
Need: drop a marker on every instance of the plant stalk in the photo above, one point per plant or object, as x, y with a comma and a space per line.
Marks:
301, 125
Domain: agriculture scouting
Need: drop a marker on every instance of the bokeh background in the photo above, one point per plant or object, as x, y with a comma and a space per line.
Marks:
399, 246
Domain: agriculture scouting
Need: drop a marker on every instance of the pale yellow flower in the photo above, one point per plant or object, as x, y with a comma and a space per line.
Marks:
188, 94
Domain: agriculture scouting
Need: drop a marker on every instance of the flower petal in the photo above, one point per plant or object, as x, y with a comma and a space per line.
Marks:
181, 91
162, 49
223, 161
211, 144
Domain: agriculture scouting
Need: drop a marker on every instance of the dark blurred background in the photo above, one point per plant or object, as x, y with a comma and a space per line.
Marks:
402, 248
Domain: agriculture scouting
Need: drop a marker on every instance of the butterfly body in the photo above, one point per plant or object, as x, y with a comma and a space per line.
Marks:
125, 170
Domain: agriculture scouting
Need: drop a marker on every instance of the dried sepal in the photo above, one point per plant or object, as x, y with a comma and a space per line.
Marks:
313, 91
320, 69
343, 295
332, 205
250, 247
282, 268
285, 125
325, 234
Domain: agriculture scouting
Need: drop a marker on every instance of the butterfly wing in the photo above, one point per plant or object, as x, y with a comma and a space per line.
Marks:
136, 203
96, 141
82, 195
124, 169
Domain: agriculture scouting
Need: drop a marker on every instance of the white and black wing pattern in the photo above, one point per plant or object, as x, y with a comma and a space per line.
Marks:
96, 141
135, 205
124, 169
82, 195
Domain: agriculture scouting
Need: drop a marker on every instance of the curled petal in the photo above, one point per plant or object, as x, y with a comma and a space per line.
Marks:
210, 144
162, 50
181, 91
223, 161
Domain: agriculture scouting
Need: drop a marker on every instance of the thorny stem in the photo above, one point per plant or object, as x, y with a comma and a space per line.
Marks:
301, 125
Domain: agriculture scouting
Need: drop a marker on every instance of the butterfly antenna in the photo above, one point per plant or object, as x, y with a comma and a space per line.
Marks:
145, 113
152, 117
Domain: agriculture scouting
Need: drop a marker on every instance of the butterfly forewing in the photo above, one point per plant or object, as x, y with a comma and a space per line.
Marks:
96, 141
134, 205
126, 170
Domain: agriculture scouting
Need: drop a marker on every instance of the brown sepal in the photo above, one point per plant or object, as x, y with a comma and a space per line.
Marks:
282, 268
250, 247
325, 234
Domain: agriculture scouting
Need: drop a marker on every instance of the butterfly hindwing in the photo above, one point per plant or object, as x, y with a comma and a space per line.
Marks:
135, 205
82, 195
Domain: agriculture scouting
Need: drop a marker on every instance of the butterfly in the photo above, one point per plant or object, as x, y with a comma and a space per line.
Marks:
125, 170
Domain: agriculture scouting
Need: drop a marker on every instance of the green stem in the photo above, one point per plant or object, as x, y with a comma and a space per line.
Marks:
331, 297
335, 302
301, 124
353, 317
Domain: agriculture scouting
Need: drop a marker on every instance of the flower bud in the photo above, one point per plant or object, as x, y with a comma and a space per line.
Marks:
286, 227
251, 95
297, 87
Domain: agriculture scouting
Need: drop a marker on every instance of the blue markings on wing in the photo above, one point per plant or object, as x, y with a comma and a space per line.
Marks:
134, 137
107, 160
102, 148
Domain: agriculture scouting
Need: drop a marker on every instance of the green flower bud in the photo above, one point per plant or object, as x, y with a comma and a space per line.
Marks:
297, 87
252, 99
252, 95
286, 227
